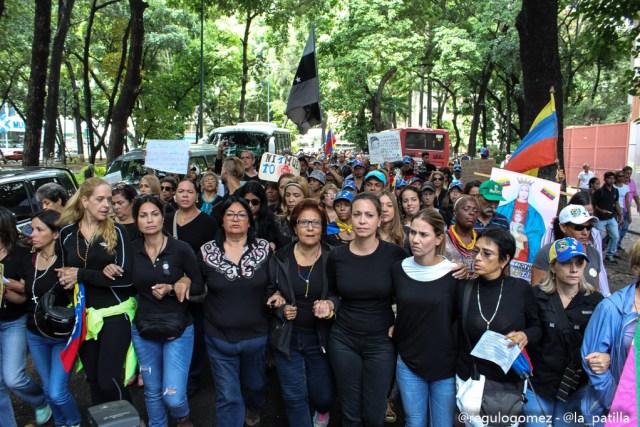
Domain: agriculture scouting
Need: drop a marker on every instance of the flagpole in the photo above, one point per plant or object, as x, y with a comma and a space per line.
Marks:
323, 123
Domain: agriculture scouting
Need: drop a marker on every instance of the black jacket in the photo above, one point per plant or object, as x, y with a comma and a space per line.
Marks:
551, 355
279, 271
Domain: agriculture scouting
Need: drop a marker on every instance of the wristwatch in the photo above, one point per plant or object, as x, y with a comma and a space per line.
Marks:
172, 292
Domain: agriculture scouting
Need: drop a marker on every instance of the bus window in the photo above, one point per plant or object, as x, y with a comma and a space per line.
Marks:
424, 141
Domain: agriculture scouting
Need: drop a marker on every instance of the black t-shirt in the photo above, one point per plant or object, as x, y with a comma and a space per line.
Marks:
132, 231
44, 280
424, 323
517, 312
196, 232
235, 308
551, 355
606, 200
176, 260
364, 286
305, 320
13, 270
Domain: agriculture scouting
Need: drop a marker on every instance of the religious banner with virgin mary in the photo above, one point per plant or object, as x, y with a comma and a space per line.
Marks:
530, 205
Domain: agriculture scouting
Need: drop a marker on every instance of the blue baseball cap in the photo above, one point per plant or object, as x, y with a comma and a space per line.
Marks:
455, 184
358, 163
484, 151
564, 249
344, 195
349, 184
400, 183
377, 175
407, 159
457, 168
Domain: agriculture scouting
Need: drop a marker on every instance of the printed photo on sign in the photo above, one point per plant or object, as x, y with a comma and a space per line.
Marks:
530, 205
167, 155
274, 165
384, 147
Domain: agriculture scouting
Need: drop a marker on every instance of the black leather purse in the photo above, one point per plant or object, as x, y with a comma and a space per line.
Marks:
161, 326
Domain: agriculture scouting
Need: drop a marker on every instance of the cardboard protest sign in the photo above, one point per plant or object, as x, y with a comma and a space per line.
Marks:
530, 206
274, 165
167, 155
470, 167
384, 147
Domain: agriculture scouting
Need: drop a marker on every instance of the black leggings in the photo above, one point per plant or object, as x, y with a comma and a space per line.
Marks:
103, 360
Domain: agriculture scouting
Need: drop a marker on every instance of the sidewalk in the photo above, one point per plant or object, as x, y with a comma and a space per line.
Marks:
620, 274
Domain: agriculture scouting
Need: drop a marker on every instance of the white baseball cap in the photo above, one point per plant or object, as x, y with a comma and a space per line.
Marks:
575, 214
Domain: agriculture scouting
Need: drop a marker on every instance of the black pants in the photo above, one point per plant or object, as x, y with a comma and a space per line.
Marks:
198, 357
364, 369
103, 360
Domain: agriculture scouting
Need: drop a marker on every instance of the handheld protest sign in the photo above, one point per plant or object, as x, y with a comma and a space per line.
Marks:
167, 156
274, 165
384, 147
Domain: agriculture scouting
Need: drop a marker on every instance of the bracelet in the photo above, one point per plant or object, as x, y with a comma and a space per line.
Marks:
331, 314
172, 292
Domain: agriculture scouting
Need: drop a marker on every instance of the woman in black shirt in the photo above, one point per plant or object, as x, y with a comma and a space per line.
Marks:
360, 350
558, 352
495, 302
300, 328
13, 322
122, 198
263, 218
40, 276
96, 256
164, 351
424, 288
236, 270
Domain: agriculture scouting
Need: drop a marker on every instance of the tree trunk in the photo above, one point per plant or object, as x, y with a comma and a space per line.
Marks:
1, 8
37, 82
51, 113
76, 110
245, 67
377, 104
537, 25
477, 108
131, 86
88, 111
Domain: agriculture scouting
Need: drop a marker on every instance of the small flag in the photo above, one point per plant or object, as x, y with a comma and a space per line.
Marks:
70, 350
303, 105
538, 147
550, 194
330, 142
504, 182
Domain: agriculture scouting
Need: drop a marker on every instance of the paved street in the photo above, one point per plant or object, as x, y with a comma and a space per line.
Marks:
202, 405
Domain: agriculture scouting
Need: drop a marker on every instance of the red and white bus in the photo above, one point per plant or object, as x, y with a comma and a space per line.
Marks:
435, 141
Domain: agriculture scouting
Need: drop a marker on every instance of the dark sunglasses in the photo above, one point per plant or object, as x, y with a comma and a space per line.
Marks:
253, 202
580, 227
437, 178
167, 188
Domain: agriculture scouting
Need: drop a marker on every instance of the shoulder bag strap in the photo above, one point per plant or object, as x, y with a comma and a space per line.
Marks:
175, 225
465, 310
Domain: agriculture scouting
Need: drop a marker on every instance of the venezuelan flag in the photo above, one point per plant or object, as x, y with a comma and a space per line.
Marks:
504, 182
70, 350
548, 193
538, 148
329, 143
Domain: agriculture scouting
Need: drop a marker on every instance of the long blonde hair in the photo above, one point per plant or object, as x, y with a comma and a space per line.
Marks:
548, 284
303, 185
153, 182
74, 212
396, 234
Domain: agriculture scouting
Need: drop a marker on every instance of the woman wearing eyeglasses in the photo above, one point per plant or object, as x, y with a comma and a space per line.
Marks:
575, 222
265, 224
294, 191
97, 254
122, 198
300, 330
437, 178
162, 332
209, 197
236, 270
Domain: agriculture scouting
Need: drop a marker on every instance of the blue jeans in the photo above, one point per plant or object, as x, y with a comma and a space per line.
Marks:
554, 409
624, 227
426, 400
13, 357
239, 372
164, 366
45, 353
611, 226
305, 376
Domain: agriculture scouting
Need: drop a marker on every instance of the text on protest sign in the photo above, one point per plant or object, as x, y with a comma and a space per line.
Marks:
167, 155
482, 166
274, 165
384, 147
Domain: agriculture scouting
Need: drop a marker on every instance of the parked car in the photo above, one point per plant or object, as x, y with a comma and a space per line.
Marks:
18, 189
16, 156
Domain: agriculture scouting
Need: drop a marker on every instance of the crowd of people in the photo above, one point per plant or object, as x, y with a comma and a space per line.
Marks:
363, 281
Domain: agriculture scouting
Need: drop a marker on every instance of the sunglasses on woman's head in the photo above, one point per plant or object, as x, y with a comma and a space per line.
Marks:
580, 227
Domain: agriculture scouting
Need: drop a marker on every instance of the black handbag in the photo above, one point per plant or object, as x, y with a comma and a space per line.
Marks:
161, 326
502, 402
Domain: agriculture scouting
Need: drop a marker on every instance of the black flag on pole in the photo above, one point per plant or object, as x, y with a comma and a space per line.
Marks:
303, 106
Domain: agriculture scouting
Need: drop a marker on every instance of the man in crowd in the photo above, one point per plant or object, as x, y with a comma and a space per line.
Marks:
633, 189
607, 210
425, 169
169, 185
490, 196
584, 177
375, 181
249, 161
624, 200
